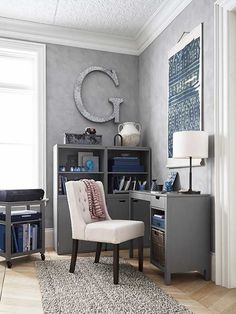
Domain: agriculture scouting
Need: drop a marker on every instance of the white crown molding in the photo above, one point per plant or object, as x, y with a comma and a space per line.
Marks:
158, 22
45, 33
226, 4
24, 30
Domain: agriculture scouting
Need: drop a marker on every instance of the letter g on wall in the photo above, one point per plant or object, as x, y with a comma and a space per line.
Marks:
116, 102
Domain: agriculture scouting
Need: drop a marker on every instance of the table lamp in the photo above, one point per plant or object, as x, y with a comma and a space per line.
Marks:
190, 144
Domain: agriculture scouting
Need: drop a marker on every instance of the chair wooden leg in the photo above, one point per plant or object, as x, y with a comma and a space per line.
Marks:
98, 252
140, 254
116, 263
75, 244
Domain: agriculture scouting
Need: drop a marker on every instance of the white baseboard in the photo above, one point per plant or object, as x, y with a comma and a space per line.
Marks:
49, 238
213, 266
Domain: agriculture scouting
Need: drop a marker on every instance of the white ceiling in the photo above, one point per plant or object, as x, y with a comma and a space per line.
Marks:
118, 17
123, 26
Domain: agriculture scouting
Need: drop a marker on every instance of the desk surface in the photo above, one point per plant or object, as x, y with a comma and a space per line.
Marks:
148, 194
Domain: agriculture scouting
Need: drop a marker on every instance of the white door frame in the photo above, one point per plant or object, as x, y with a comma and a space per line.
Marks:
225, 143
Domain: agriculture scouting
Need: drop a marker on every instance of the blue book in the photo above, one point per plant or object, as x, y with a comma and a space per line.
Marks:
2, 238
126, 162
20, 237
125, 157
15, 246
128, 168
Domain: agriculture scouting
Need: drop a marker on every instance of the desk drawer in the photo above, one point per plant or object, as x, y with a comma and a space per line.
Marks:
158, 201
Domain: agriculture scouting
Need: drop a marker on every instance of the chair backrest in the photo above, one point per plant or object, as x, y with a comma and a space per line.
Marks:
79, 207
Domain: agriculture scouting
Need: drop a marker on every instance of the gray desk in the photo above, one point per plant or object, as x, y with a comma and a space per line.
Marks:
186, 234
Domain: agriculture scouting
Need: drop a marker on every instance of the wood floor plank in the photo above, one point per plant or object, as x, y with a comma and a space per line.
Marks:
226, 302
230, 310
21, 291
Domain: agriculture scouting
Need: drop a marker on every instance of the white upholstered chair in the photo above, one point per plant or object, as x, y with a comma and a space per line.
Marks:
100, 231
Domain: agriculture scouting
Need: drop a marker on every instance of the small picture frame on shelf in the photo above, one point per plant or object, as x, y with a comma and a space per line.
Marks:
81, 155
91, 163
169, 183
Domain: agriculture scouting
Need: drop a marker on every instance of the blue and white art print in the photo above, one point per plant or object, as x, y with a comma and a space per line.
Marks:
185, 90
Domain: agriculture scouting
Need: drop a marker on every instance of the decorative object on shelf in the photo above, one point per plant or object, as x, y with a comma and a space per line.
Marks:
130, 132
185, 89
91, 163
75, 169
142, 185
168, 185
86, 139
62, 168
190, 144
116, 102
154, 185
120, 141
81, 155
89, 131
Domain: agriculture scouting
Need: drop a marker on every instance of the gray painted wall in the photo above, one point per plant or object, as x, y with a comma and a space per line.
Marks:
143, 85
153, 92
63, 66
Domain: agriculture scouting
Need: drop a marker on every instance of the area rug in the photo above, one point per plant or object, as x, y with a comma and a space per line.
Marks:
91, 290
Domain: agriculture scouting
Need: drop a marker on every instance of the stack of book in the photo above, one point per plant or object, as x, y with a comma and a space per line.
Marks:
24, 237
61, 185
126, 164
158, 221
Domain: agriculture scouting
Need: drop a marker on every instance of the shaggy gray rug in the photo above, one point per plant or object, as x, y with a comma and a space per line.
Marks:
90, 289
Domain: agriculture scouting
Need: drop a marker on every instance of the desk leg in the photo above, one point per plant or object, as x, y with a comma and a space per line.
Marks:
167, 276
130, 217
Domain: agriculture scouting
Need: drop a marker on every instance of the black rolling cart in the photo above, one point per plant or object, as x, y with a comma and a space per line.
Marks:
22, 234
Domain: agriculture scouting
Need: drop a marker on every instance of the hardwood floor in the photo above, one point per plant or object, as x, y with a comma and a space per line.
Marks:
20, 292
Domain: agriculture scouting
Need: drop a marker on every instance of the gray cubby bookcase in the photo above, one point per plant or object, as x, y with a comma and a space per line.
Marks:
117, 203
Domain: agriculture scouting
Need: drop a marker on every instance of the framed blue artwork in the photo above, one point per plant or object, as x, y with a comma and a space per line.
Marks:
185, 91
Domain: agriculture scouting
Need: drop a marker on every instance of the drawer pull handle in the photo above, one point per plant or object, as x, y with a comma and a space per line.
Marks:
157, 197
135, 201
122, 201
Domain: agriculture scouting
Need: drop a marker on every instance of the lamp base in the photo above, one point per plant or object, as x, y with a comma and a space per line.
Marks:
189, 192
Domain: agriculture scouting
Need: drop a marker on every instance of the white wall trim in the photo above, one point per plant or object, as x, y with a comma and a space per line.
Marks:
213, 267
65, 36
24, 30
158, 22
38, 52
42, 114
225, 151
49, 243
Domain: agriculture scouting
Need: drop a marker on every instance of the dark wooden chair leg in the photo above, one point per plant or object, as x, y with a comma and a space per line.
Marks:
116, 263
98, 252
140, 254
75, 244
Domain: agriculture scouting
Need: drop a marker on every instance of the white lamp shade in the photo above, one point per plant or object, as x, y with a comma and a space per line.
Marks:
190, 144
